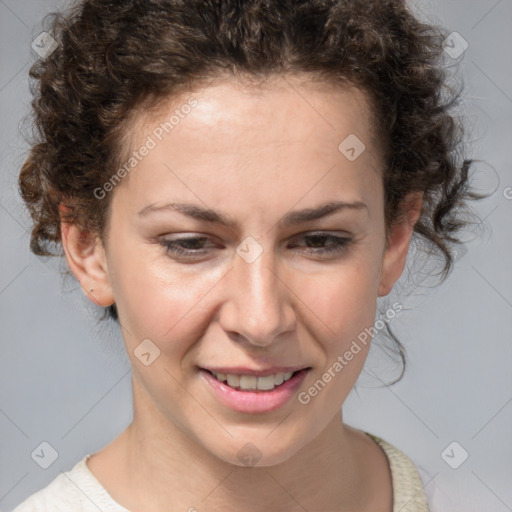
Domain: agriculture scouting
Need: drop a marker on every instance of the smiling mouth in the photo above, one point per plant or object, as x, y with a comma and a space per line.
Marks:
255, 383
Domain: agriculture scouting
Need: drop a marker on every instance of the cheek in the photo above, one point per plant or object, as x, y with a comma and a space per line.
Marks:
344, 301
159, 300
344, 307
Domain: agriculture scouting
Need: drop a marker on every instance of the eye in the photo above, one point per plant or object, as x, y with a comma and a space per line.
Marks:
317, 240
190, 246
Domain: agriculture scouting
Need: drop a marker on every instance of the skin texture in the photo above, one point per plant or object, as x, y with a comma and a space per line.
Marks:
255, 154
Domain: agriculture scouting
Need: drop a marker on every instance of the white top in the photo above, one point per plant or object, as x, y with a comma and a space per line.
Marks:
78, 490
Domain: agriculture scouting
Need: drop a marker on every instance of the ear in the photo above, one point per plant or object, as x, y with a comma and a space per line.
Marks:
395, 253
86, 259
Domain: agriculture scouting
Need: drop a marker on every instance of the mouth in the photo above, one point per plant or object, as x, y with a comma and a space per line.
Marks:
251, 391
254, 383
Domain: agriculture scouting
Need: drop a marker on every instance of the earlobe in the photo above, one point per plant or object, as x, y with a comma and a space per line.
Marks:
395, 254
86, 258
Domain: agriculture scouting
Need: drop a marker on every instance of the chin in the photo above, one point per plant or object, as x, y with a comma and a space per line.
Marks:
252, 450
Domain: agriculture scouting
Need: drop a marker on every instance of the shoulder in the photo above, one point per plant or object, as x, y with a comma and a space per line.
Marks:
408, 494
76, 490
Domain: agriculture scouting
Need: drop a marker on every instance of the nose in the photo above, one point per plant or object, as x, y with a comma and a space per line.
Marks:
258, 308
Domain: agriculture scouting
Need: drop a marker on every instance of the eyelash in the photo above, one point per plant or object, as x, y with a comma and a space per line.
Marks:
338, 245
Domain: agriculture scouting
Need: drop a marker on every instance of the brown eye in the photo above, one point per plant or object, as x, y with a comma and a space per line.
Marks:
191, 246
317, 243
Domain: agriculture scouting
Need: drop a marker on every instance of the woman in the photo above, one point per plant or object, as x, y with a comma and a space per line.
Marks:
236, 183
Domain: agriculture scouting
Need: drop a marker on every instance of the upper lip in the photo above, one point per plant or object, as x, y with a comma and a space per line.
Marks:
242, 370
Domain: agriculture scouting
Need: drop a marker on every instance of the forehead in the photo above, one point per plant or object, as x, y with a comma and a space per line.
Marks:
281, 133
275, 110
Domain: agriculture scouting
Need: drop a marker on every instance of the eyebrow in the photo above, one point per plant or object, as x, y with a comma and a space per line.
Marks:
290, 219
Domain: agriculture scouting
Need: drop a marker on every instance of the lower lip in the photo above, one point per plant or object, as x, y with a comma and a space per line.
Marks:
255, 401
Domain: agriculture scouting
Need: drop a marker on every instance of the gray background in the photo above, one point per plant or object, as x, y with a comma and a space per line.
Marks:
65, 379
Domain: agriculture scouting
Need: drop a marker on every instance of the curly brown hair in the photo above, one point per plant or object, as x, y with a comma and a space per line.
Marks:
117, 58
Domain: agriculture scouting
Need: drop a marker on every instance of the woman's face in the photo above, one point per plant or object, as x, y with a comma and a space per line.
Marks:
255, 272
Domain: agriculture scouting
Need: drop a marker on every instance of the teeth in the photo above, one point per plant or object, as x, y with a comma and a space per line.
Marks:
251, 382
233, 380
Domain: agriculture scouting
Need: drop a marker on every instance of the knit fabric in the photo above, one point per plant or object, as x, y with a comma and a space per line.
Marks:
408, 495
78, 490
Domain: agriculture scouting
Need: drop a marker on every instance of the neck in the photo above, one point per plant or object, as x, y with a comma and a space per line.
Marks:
161, 465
